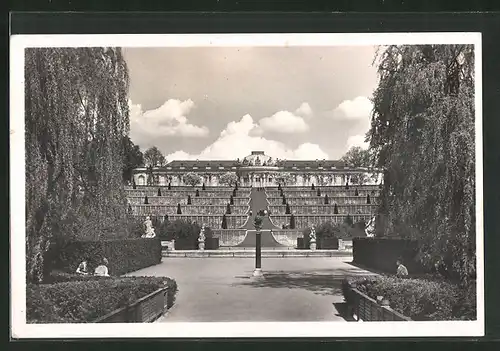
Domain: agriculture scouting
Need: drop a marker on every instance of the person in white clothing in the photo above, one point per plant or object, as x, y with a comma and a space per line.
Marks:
102, 270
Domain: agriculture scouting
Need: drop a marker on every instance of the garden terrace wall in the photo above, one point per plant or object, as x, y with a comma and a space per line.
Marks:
305, 221
326, 187
325, 209
320, 200
382, 253
230, 237
331, 193
161, 210
287, 237
184, 193
167, 200
212, 221
124, 255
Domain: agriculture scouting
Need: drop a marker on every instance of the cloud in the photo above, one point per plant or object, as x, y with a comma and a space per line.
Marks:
284, 122
167, 120
357, 140
238, 139
358, 108
304, 110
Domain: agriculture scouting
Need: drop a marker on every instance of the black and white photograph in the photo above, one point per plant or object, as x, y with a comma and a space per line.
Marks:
240, 185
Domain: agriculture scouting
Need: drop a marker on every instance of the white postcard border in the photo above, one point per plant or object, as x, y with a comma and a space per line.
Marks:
19, 327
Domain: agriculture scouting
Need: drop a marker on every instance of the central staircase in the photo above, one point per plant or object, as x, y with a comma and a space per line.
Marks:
258, 201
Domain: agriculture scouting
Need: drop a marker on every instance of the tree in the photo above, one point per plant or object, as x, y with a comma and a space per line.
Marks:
146, 201
422, 134
287, 209
327, 201
192, 179
229, 179
335, 209
132, 158
348, 220
358, 157
284, 200
228, 209
76, 115
197, 194
179, 210
318, 193
231, 200
224, 222
368, 201
292, 221
159, 192
153, 157
189, 200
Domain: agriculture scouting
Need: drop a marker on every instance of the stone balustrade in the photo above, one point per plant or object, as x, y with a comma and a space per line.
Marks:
148, 210
212, 221
320, 200
324, 209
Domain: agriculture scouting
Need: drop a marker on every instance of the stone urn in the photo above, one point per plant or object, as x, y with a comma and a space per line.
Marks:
201, 245
312, 245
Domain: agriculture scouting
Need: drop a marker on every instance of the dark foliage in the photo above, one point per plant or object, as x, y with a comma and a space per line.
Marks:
419, 299
224, 222
83, 300
179, 210
124, 255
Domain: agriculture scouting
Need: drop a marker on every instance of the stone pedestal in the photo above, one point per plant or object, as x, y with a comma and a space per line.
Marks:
312, 245
201, 245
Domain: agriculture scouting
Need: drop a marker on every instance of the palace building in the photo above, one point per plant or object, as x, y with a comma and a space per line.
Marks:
259, 170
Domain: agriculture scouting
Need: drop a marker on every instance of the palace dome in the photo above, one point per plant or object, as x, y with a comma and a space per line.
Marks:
258, 158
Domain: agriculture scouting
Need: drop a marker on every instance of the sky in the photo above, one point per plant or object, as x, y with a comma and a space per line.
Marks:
222, 103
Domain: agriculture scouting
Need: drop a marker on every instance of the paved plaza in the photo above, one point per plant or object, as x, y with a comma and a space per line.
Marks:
224, 290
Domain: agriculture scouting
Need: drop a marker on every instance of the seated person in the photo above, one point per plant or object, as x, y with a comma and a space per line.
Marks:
83, 267
402, 271
102, 270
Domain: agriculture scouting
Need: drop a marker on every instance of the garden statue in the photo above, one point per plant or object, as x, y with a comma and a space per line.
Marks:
201, 238
150, 231
312, 238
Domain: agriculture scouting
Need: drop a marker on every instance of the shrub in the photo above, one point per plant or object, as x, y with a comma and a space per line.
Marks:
169, 186
159, 192
312, 187
419, 299
327, 201
231, 200
180, 229
348, 220
146, 201
224, 222
318, 193
287, 210
125, 255
228, 209
335, 209
197, 193
83, 300
292, 221
189, 200
179, 211
203, 187
381, 254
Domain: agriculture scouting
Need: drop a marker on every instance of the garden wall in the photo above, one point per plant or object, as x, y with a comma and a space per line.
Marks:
382, 253
125, 255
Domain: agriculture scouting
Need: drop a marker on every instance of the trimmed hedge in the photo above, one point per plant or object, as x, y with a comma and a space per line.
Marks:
419, 299
124, 256
85, 299
382, 253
